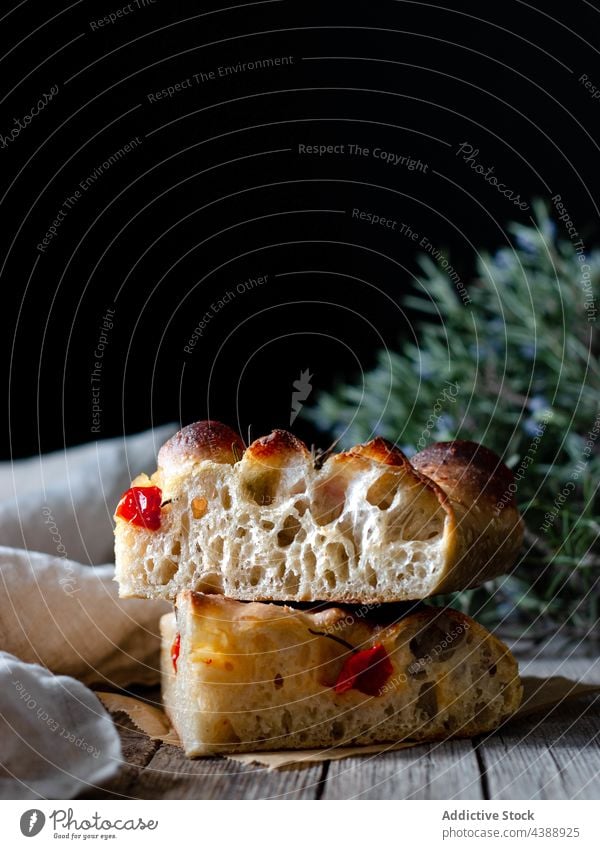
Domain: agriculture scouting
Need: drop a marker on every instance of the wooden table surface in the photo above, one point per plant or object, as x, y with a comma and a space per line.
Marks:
551, 757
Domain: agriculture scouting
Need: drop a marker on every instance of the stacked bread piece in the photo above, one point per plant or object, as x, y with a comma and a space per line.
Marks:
298, 584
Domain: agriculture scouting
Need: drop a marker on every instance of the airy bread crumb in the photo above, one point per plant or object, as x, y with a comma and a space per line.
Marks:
268, 523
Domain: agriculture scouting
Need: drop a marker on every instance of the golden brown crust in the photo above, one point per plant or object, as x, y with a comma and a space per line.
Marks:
277, 448
324, 613
382, 451
443, 619
466, 470
487, 531
205, 440
229, 610
327, 615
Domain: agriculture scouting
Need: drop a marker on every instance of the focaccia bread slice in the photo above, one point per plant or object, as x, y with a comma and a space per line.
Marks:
270, 523
240, 676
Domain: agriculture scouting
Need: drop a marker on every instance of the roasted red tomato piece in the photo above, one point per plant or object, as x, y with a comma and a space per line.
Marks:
140, 506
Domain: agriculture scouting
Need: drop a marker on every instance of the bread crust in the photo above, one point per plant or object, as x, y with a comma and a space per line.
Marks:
277, 448
382, 450
451, 507
205, 440
487, 529
466, 471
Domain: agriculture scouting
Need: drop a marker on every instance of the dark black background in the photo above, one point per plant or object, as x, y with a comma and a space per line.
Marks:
217, 191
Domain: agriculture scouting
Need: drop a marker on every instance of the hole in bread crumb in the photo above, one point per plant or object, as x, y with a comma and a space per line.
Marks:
149, 565
337, 556
225, 498
216, 548
211, 584
401, 558
329, 500
165, 571
371, 575
292, 583
301, 535
381, 493
330, 578
288, 531
267, 526
241, 532
176, 548
300, 507
309, 562
255, 575
261, 487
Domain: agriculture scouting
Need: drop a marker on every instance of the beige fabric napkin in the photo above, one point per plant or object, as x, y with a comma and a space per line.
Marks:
57, 739
60, 609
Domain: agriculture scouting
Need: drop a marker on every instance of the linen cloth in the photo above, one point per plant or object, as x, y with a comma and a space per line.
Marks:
62, 625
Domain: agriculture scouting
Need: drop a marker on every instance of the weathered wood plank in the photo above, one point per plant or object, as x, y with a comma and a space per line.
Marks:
138, 750
170, 775
434, 771
553, 757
